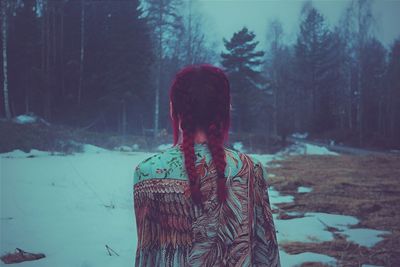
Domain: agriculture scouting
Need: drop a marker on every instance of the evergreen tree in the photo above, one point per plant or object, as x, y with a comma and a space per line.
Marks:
316, 62
373, 73
24, 59
131, 60
118, 69
393, 95
241, 62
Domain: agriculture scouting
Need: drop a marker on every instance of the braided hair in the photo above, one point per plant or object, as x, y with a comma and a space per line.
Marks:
200, 98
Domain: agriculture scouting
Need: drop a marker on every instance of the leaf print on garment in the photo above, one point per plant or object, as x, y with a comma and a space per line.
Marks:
158, 170
230, 155
217, 227
202, 168
172, 231
163, 218
265, 245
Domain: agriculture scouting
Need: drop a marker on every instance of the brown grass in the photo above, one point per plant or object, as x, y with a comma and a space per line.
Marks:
367, 187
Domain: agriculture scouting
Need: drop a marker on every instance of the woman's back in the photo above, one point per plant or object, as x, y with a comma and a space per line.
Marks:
172, 231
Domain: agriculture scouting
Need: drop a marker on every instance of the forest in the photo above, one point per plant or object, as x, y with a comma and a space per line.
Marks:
106, 66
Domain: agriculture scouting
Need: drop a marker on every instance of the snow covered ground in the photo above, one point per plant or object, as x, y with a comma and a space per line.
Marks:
29, 118
71, 206
311, 227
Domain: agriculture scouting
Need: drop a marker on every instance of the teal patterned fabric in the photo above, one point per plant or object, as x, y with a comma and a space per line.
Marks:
169, 163
172, 231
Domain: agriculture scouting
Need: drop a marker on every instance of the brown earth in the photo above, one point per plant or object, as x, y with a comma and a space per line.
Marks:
367, 187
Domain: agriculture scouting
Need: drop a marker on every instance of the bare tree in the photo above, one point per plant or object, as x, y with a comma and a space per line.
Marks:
191, 47
274, 36
4, 32
362, 23
82, 51
164, 18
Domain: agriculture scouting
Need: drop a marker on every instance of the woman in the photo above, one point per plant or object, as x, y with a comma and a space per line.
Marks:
200, 203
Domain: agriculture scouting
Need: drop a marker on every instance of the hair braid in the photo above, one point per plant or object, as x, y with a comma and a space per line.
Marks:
200, 99
190, 159
215, 145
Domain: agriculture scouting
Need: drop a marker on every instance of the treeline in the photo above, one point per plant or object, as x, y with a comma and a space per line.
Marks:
336, 83
98, 65
107, 66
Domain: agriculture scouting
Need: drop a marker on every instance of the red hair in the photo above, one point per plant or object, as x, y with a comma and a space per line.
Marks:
200, 97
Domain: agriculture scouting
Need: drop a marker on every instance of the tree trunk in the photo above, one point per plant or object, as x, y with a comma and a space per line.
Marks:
124, 120
62, 50
27, 97
47, 102
156, 106
4, 48
190, 34
82, 52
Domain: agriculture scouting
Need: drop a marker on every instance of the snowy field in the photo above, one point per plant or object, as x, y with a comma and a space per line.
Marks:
70, 207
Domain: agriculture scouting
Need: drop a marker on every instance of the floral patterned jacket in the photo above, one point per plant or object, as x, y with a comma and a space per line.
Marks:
173, 232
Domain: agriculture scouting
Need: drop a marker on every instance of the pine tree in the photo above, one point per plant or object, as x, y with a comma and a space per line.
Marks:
132, 56
393, 97
373, 70
241, 63
117, 67
316, 62
24, 57
4, 41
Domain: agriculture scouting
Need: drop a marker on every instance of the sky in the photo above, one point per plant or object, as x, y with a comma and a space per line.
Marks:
224, 17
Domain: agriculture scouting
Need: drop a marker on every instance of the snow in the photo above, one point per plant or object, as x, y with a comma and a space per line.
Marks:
300, 135
24, 119
29, 118
317, 150
312, 228
297, 259
304, 189
135, 146
164, 146
127, 148
263, 158
17, 153
71, 206
301, 148
239, 147
62, 206
304, 229
364, 237
298, 148
294, 213
276, 198
93, 149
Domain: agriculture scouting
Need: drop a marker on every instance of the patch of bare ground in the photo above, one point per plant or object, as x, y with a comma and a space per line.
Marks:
367, 187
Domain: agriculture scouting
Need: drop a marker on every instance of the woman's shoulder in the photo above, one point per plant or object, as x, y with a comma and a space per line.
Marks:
157, 165
244, 162
244, 156
249, 162
169, 164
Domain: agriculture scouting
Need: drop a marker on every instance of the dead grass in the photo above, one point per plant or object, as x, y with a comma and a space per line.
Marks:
367, 187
